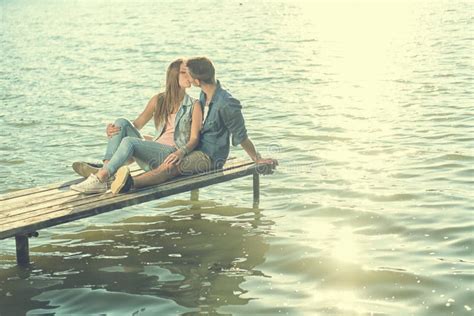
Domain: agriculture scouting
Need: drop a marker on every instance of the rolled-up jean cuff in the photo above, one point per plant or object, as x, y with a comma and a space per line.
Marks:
109, 170
107, 157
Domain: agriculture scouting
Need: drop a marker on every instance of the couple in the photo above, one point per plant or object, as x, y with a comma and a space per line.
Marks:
193, 135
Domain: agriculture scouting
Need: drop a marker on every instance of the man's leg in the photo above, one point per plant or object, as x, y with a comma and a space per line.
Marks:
163, 173
195, 162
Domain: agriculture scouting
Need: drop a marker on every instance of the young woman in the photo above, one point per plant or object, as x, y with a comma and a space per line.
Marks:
178, 120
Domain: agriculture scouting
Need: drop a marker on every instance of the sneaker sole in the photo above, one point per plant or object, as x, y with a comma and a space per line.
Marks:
84, 169
120, 179
74, 188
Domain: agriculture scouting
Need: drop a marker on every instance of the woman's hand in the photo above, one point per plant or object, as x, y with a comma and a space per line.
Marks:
112, 130
174, 158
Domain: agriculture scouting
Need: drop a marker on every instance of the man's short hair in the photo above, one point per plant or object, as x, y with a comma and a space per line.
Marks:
202, 68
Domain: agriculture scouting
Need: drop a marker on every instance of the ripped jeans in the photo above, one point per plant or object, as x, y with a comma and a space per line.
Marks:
129, 143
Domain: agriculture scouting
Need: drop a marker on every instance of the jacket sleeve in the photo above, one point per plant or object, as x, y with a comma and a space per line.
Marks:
234, 120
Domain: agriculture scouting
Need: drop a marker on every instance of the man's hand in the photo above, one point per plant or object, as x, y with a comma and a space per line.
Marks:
174, 158
266, 165
112, 130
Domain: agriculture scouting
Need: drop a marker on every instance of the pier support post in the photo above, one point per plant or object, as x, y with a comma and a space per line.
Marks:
22, 250
256, 189
195, 195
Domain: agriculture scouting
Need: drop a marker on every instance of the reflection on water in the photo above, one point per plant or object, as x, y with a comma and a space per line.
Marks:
189, 260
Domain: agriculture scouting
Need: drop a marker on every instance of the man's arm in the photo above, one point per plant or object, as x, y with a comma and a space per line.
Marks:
248, 146
234, 120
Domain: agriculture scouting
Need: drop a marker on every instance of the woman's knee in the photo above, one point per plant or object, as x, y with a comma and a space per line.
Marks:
129, 141
122, 122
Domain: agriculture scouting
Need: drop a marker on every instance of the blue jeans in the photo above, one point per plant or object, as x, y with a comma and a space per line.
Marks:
129, 143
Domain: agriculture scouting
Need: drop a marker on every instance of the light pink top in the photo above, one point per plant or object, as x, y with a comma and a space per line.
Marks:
167, 138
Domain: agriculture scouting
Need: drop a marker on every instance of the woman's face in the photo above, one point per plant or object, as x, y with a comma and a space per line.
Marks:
183, 77
192, 81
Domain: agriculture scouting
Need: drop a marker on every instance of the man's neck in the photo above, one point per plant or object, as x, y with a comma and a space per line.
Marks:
209, 90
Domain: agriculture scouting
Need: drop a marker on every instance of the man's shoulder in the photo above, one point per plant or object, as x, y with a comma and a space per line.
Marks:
225, 99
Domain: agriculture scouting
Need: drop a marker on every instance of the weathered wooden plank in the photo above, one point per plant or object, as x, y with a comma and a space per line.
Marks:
43, 195
40, 206
26, 192
80, 199
44, 201
55, 197
31, 192
22, 192
40, 201
56, 185
108, 202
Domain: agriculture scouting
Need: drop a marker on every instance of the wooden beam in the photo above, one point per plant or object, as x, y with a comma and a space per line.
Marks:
195, 195
256, 189
22, 250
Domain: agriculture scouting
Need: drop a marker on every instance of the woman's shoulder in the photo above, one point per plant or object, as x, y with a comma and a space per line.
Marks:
159, 95
189, 97
158, 98
190, 100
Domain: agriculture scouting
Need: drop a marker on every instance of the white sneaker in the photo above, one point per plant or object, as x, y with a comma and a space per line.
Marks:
91, 185
85, 169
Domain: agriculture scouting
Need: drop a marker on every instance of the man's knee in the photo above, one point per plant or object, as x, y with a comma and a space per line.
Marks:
196, 162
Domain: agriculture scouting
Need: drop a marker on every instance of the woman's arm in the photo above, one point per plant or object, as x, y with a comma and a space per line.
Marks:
139, 122
147, 113
193, 141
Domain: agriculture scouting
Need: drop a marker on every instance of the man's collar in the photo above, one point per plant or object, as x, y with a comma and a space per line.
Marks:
202, 97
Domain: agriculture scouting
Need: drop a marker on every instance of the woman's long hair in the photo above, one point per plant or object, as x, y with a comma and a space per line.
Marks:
172, 96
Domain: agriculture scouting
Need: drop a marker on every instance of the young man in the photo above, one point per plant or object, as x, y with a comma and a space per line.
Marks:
222, 121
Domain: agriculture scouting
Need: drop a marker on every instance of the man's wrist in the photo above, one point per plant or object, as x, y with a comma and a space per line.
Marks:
257, 156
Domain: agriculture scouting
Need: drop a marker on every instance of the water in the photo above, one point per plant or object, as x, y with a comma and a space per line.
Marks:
367, 106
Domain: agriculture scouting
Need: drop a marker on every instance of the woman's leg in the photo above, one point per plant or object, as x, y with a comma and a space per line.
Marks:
126, 130
149, 153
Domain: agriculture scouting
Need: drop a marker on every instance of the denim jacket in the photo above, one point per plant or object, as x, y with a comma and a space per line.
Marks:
182, 123
223, 120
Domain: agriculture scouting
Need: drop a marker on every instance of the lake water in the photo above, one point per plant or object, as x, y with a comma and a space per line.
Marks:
368, 105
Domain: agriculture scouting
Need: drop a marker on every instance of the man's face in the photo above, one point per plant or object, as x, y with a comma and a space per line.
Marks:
194, 82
